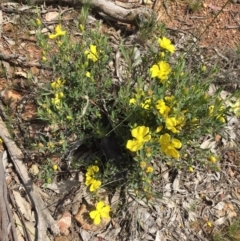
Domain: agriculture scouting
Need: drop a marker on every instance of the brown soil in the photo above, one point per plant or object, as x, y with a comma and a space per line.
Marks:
223, 32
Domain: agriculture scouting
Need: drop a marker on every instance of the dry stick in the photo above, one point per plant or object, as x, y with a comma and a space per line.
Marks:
6, 212
3, 203
43, 218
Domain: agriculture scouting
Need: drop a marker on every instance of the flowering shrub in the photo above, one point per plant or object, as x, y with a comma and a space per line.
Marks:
156, 116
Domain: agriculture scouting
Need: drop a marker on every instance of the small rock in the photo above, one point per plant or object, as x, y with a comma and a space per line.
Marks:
64, 223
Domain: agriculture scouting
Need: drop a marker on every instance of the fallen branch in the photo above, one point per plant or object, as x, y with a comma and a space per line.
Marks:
43, 218
135, 16
7, 229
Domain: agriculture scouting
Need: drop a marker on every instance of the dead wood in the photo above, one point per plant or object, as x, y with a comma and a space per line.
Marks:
43, 218
135, 16
7, 228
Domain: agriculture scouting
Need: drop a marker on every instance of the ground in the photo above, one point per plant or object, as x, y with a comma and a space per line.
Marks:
194, 205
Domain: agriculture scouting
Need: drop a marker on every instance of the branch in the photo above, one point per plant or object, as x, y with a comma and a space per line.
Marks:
135, 16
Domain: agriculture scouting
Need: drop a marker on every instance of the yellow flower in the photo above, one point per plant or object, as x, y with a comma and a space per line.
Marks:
58, 32
141, 136
40, 145
49, 111
50, 145
81, 27
143, 165
210, 109
190, 169
161, 70
94, 186
212, 159
1, 141
174, 124
57, 84
88, 74
146, 104
92, 169
169, 146
220, 118
92, 53
59, 43
165, 43
102, 211
38, 22
162, 108
56, 102
54, 167
169, 98
93, 183
90, 178
44, 59
235, 108
209, 224
204, 68
159, 128
149, 169
195, 121
139, 93
132, 101
59, 95
148, 150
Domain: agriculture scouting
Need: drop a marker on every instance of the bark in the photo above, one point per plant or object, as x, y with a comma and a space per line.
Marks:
135, 16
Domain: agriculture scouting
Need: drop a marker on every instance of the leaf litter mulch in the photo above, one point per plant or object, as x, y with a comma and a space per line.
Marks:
193, 206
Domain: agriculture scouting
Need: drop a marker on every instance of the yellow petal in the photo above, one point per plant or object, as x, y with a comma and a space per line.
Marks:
95, 168
100, 205
139, 132
159, 128
52, 36
93, 49
93, 214
134, 145
106, 209
132, 101
154, 70
105, 215
176, 143
164, 139
97, 219
173, 153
